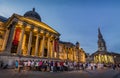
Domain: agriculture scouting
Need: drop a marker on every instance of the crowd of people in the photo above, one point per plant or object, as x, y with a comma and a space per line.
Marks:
57, 66
52, 66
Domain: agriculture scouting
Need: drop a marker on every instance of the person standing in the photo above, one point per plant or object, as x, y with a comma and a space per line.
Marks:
114, 66
16, 64
51, 65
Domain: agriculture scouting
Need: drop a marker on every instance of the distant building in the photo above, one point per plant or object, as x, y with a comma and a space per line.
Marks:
102, 55
116, 57
70, 52
89, 59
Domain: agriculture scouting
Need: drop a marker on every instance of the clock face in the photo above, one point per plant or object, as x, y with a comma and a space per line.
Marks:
101, 48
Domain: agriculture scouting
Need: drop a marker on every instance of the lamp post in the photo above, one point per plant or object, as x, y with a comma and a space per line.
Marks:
114, 57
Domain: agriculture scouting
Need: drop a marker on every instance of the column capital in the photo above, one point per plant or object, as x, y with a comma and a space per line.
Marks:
15, 20
52, 36
45, 32
57, 39
38, 30
48, 34
20, 23
41, 31
24, 23
13, 23
31, 27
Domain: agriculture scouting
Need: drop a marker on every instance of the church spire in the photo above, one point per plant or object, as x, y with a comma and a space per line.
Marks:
101, 42
99, 34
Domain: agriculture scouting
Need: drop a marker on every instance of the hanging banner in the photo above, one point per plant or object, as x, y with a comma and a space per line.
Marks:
17, 36
56, 46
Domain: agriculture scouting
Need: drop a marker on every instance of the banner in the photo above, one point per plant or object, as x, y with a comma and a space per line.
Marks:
17, 36
56, 45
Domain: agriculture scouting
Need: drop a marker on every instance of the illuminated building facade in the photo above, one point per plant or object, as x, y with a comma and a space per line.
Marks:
27, 37
102, 55
70, 52
116, 57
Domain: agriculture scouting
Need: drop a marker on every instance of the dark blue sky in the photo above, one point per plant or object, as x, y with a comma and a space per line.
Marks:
75, 20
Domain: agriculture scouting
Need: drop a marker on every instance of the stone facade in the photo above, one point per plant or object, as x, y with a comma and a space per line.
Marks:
70, 52
27, 37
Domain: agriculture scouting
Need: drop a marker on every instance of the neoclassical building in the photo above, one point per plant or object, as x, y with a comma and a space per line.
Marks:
70, 52
102, 55
28, 37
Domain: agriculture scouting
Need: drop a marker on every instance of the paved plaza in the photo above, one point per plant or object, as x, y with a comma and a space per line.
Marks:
105, 73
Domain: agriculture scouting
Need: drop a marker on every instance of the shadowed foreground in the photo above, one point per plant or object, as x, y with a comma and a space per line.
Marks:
10, 73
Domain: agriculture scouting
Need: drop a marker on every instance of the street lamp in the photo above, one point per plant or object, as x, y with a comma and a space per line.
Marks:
114, 57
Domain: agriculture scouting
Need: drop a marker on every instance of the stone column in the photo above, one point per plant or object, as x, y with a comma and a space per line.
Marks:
5, 40
30, 41
19, 49
67, 52
72, 54
57, 48
53, 54
64, 52
78, 55
99, 58
42, 46
48, 47
10, 40
36, 44
51, 48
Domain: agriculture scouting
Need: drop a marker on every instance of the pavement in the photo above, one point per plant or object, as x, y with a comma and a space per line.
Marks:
100, 73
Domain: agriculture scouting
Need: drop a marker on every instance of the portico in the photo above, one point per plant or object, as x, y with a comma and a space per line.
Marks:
30, 37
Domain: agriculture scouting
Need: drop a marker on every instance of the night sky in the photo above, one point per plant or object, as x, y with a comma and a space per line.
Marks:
75, 20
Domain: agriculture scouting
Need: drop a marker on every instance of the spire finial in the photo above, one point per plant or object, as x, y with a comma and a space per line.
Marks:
99, 33
33, 9
99, 30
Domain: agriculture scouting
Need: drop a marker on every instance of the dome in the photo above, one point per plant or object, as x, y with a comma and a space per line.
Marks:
77, 44
32, 14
